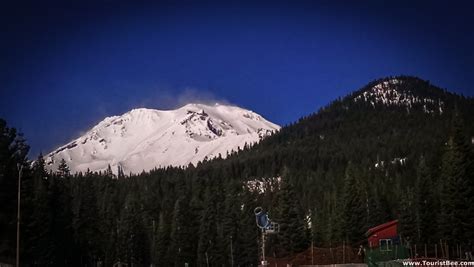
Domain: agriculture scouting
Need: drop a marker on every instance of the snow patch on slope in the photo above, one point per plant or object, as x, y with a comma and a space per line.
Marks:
263, 185
389, 93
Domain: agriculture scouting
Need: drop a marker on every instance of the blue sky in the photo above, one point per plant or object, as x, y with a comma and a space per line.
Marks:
65, 66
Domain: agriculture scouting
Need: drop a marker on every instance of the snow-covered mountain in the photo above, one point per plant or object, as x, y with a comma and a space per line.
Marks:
143, 139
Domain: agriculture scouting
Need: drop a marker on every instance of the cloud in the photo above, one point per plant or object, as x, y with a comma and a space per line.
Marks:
193, 95
172, 99
162, 98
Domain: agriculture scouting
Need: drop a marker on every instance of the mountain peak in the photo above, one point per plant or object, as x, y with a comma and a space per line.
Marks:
142, 138
402, 91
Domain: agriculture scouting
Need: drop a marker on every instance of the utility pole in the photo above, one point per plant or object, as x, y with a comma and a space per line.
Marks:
20, 170
231, 253
264, 262
207, 257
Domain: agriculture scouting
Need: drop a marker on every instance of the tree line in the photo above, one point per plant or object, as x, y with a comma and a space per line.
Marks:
325, 179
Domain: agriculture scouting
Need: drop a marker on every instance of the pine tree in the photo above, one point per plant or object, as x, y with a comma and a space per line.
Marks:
334, 226
120, 173
163, 241
379, 209
354, 207
63, 169
315, 151
425, 204
210, 230
408, 217
456, 222
246, 251
181, 248
133, 232
293, 236
39, 221
231, 220
318, 233
39, 168
108, 172
13, 153
61, 233
110, 221
85, 220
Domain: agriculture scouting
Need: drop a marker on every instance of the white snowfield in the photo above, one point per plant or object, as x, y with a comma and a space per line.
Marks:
143, 139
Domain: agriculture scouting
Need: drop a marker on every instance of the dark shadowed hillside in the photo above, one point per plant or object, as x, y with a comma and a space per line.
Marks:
398, 148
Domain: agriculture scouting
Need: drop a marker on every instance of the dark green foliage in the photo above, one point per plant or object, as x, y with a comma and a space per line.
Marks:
426, 204
379, 210
457, 220
408, 217
231, 224
163, 241
354, 211
170, 216
132, 233
63, 169
183, 233
85, 219
293, 236
13, 152
36, 213
245, 250
211, 232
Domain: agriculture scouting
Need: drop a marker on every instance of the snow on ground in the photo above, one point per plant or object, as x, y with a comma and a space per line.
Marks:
388, 93
262, 185
143, 139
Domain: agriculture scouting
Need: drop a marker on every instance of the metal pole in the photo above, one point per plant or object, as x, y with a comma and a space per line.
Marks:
263, 248
207, 258
20, 169
231, 253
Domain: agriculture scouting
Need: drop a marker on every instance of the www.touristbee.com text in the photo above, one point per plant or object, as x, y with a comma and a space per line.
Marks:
438, 263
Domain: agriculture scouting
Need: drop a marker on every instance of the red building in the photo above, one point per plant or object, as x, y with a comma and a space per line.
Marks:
383, 235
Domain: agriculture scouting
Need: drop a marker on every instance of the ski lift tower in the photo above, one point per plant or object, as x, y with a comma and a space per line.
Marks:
267, 227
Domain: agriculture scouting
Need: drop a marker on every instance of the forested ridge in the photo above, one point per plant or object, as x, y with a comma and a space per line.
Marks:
359, 161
